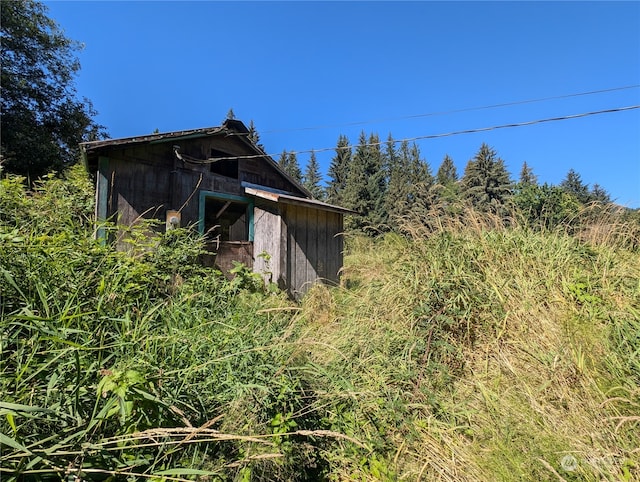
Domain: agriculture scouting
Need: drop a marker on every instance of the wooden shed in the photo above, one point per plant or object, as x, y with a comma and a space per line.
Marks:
218, 180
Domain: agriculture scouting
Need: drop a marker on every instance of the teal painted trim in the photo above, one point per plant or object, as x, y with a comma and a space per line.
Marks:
250, 208
103, 195
226, 197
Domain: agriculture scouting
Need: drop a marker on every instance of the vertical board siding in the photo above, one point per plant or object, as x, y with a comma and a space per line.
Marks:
267, 225
321, 236
314, 246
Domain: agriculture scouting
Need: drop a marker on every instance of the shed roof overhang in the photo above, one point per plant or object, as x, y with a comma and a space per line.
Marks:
299, 201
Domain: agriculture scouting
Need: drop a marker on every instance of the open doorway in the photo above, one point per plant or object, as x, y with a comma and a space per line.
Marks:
227, 223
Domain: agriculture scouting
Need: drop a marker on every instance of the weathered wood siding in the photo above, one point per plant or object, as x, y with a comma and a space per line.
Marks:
267, 239
149, 179
314, 247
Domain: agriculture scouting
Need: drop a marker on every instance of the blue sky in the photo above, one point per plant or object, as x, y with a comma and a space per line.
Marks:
306, 72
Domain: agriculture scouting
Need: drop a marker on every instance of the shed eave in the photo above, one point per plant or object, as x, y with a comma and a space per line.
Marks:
287, 199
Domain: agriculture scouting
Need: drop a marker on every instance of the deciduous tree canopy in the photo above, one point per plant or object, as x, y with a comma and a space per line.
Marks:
42, 119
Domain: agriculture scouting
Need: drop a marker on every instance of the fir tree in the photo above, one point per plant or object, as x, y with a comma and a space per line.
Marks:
410, 183
527, 177
599, 194
365, 187
312, 178
253, 135
339, 171
447, 173
288, 162
486, 182
292, 167
573, 185
447, 188
282, 160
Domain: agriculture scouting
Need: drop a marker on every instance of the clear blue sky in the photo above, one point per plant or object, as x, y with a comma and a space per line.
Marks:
306, 72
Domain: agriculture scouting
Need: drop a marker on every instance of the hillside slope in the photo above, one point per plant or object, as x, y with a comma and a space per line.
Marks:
470, 352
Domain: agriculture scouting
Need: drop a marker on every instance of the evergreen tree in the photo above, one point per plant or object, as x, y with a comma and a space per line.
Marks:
42, 119
486, 182
527, 177
599, 194
312, 178
253, 136
447, 188
365, 187
282, 160
339, 171
447, 173
573, 185
289, 163
410, 183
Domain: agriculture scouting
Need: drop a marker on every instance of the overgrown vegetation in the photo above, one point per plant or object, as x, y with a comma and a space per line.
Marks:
461, 348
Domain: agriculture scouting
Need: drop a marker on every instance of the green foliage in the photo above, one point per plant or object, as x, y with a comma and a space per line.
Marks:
546, 206
527, 177
486, 182
366, 185
254, 136
447, 172
466, 351
339, 171
42, 120
572, 184
312, 178
288, 161
410, 182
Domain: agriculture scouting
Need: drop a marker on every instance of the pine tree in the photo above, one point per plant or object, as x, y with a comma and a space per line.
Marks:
573, 185
527, 177
486, 182
312, 178
339, 171
447, 173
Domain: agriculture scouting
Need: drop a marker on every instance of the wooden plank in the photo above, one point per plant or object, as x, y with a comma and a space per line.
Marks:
311, 248
321, 263
334, 245
267, 239
300, 263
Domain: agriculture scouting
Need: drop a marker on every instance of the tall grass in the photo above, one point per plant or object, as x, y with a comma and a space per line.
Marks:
465, 348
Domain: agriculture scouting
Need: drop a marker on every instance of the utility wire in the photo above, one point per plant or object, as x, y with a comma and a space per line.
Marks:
436, 136
456, 111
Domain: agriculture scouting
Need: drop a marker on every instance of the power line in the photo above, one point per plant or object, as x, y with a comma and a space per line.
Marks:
456, 111
437, 136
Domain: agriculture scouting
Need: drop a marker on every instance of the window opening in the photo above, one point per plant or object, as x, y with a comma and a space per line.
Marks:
226, 220
225, 167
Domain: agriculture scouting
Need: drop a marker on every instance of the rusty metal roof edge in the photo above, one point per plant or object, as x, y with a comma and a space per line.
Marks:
288, 199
